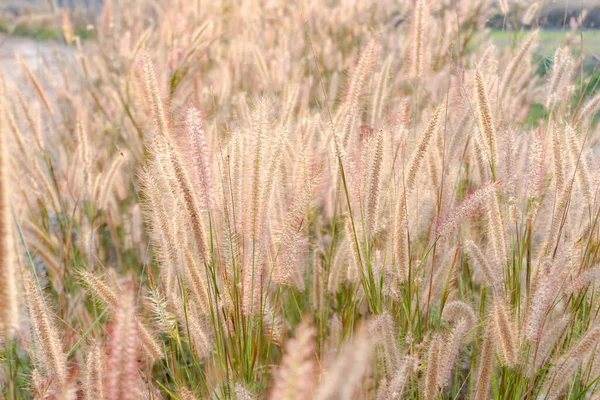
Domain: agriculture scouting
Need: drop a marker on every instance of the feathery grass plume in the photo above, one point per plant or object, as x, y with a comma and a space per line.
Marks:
464, 317
53, 357
381, 91
382, 390
9, 303
374, 184
457, 310
99, 289
295, 378
36, 85
236, 166
122, 377
286, 272
421, 150
227, 192
536, 175
84, 154
394, 389
530, 13
111, 299
528, 43
252, 284
161, 226
162, 316
486, 121
345, 375
260, 125
557, 218
479, 262
318, 281
433, 368
559, 76
105, 187
339, 152
583, 279
355, 271
196, 280
548, 283
156, 104
291, 99
480, 197
200, 158
488, 62
39, 385
17, 134
94, 373
336, 271
436, 159
550, 338
578, 159
558, 159
382, 328
401, 244
151, 346
96, 187
486, 363
567, 366
505, 331
511, 176
48, 255
242, 393
418, 27
33, 123
291, 235
185, 394
271, 176
191, 323
590, 109
482, 154
363, 168
262, 65
450, 351
272, 324
49, 188
361, 73
496, 231
70, 390
186, 193
356, 87
443, 280
590, 374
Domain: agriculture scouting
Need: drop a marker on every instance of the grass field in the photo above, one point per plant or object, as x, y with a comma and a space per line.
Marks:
270, 200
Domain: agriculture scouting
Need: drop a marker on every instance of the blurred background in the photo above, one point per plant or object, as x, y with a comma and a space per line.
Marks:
36, 17
36, 28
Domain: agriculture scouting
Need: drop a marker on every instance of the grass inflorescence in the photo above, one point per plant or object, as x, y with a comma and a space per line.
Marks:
300, 201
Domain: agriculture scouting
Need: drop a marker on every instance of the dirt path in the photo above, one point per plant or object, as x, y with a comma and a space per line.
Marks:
33, 52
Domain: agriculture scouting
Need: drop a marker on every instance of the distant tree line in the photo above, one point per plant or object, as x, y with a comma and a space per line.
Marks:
553, 16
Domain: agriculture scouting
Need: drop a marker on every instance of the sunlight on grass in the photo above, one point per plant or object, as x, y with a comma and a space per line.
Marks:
325, 200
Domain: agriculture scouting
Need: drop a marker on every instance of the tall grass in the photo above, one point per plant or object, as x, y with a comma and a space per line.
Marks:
245, 200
